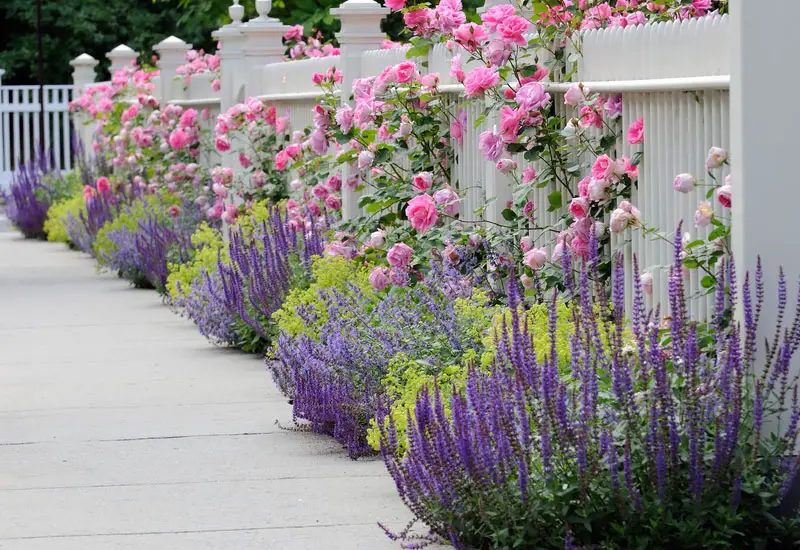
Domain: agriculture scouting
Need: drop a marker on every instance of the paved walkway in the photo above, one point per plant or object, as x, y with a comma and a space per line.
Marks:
120, 427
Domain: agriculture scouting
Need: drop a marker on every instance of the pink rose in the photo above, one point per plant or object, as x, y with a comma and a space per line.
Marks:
399, 255
684, 183
528, 174
187, 118
702, 217
575, 95
258, 178
506, 166
423, 181
647, 283
479, 80
344, 118
421, 212
512, 28
603, 168
333, 202
724, 195
491, 145
470, 35
222, 144
379, 276
244, 161
509, 123
430, 80
535, 258
377, 239
281, 160
717, 156
216, 85
448, 199
395, 5
320, 192
103, 186
532, 97
526, 244
365, 159
178, 139
495, 15
579, 207
406, 71
636, 132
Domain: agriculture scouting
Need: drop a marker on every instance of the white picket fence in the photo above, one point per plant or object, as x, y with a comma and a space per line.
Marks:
675, 75
20, 114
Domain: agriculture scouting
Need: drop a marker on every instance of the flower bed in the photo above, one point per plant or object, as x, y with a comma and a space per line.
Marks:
492, 364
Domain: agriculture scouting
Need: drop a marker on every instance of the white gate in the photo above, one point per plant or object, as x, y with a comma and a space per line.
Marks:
20, 114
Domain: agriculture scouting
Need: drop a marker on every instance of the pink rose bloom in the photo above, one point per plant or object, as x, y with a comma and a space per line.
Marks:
613, 107
333, 202
419, 18
318, 141
178, 139
281, 160
498, 52
526, 244
558, 253
188, 118
528, 174
636, 132
423, 181
506, 166
579, 207
421, 212
320, 192
294, 33
479, 80
379, 276
512, 28
336, 248
535, 258
456, 69
491, 145
406, 71
448, 199
230, 215
470, 35
395, 5
620, 219
724, 195
702, 217
575, 95
684, 183
377, 239
365, 159
258, 178
430, 80
334, 183
647, 283
244, 161
629, 169
583, 186
174, 210
449, 19
103, 186
532, 97
509, 123
399, 255
216, 85
495, 15
603, 168
222, 144
717, 156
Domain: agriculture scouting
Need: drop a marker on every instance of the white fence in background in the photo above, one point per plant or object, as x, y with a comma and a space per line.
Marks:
20, 114
675, 75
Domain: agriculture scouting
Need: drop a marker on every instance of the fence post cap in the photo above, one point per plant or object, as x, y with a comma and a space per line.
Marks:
84, 60
360, 6
123, 48
172, 43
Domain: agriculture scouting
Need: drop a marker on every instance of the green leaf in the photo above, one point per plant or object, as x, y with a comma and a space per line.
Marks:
555, 201
708, 282
509, 215
691, 263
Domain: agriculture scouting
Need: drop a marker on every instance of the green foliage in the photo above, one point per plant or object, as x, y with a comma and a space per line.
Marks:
406, 377
69, 200
326, 273
209, 246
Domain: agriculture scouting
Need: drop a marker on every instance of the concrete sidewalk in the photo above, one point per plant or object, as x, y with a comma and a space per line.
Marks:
120, 427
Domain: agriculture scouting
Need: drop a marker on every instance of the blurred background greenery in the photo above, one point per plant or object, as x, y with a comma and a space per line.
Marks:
72, 27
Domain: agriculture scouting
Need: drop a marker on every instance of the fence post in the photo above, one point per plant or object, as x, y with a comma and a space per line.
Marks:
171, 55
763, 147
361, 31
4, 176
263, 44
121, 57
83, 74
231, 56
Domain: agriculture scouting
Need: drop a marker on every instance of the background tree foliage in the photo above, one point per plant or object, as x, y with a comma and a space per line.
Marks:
72, 27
